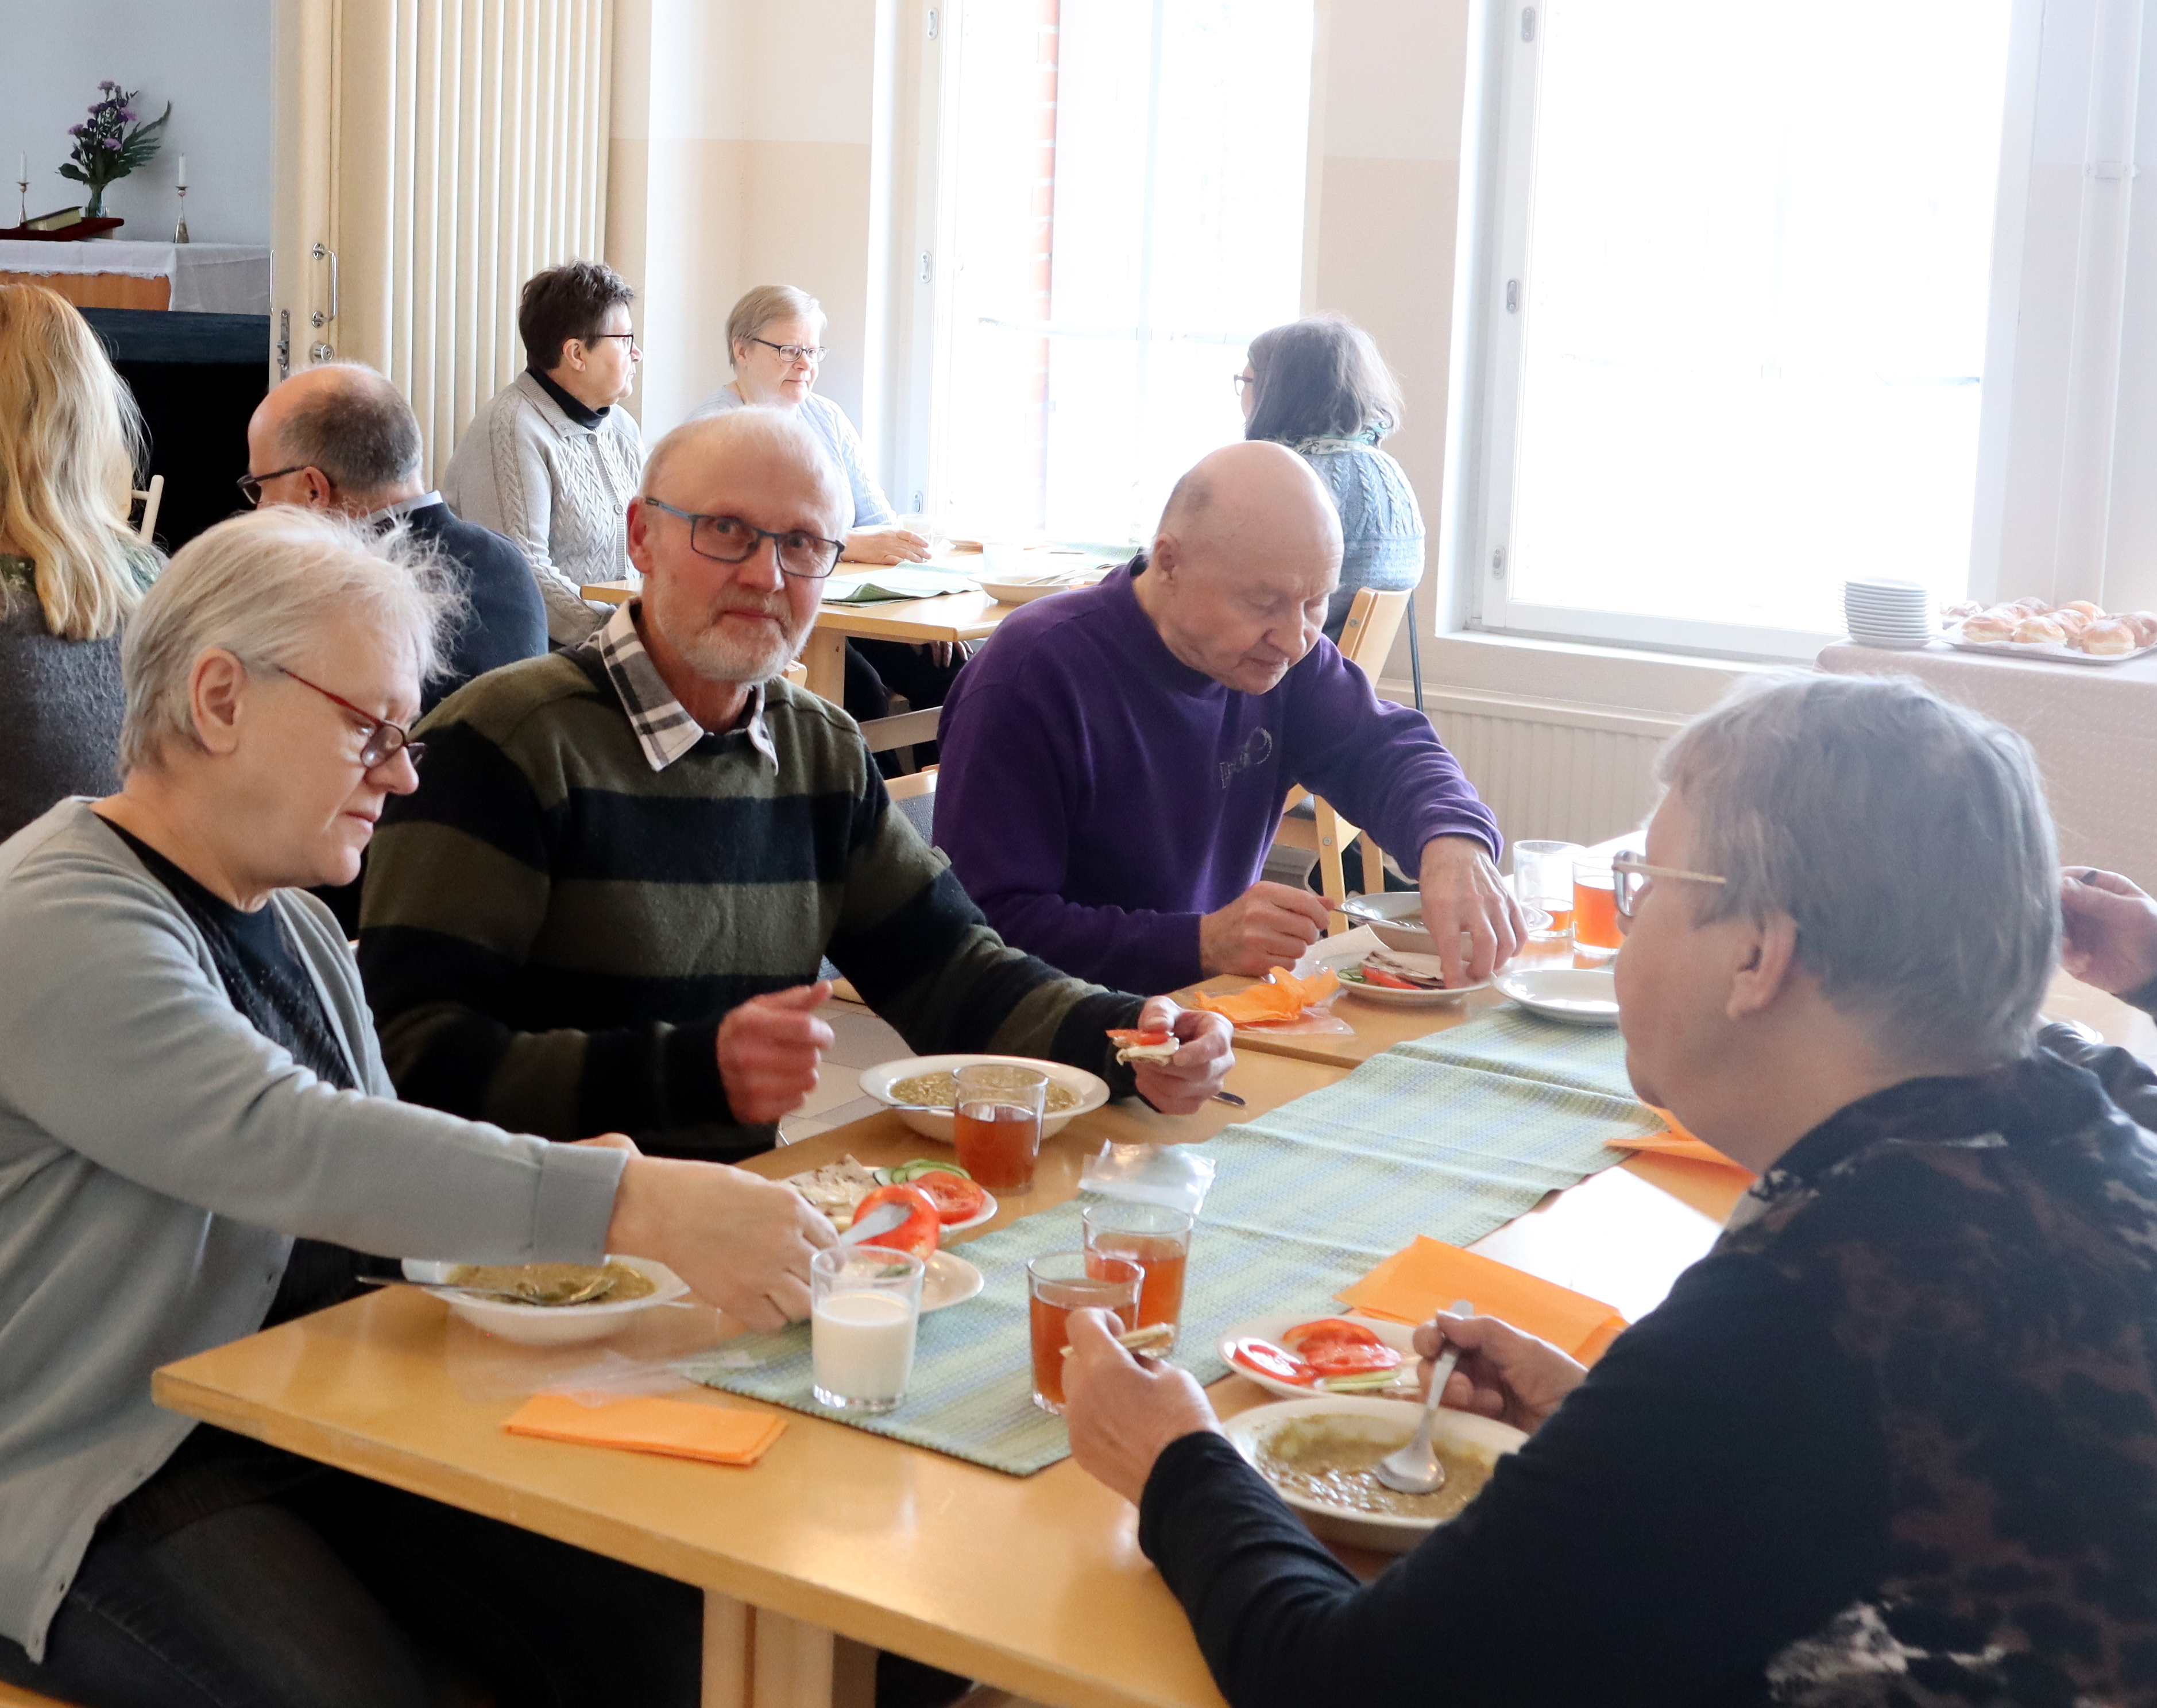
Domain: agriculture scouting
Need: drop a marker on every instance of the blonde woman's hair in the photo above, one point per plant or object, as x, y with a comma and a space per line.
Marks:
70, 437
760, 307
265, 586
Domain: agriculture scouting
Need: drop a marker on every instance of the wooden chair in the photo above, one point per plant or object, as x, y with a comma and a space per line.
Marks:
1366, 638
150, 501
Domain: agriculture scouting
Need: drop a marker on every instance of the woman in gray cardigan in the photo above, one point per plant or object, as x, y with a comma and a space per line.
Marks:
188, 1080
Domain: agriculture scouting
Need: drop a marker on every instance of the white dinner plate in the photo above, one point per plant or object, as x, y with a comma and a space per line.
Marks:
1385, 1420
1407, 999
1398, 1335
1578, 995
551, 1324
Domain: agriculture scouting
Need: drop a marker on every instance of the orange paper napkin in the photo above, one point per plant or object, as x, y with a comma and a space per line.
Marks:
724, 1435
1429, 1275
1679, 1143
1279, 995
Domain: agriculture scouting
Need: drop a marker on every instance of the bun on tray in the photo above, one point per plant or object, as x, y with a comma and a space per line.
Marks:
1989, 625
2107, 638
2144, 624
2040, 631
2084, 606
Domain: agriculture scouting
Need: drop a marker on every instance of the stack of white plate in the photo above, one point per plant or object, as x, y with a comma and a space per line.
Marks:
1883, 613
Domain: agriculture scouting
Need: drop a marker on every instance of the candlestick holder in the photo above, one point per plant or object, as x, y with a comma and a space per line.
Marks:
22, 202
180, 231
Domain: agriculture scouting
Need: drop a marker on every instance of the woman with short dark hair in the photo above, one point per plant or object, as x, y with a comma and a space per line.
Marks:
1320, 387
549, 460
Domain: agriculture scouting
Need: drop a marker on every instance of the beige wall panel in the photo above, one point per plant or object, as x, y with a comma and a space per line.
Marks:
687, 269
805, 222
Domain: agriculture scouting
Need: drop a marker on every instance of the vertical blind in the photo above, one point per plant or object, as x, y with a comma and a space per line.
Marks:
471, 153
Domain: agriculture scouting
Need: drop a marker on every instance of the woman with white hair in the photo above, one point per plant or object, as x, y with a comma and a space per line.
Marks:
774, 337
189, 1083
1893, 1443
70, 567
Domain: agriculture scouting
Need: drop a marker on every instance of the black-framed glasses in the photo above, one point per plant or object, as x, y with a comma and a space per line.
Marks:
250, 486
1630, 878
635, 349
794, 353
728, 539
383, 740
1245, 379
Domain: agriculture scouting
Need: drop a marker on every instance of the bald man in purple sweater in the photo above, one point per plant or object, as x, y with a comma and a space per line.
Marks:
1114, 762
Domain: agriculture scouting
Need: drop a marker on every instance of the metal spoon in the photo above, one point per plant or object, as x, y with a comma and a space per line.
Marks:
1416, 1468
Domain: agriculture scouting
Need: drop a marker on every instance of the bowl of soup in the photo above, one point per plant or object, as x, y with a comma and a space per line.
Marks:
549, 1305
1319, 1456
922, 1089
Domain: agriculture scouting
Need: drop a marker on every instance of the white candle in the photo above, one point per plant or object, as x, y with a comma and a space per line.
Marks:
862, 1344
22, 168
183, 172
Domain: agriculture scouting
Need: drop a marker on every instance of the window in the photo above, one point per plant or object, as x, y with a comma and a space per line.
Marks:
1734, 269
1124, 191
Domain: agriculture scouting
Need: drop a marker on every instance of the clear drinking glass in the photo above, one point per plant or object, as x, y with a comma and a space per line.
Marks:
1594, 908
1542, 877
1063, 1282
996, 1124
865, 1305
1158, 1239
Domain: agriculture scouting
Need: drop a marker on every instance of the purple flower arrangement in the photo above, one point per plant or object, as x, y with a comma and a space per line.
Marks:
111, 142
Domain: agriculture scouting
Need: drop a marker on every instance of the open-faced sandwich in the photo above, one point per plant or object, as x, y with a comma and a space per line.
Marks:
1136, 1046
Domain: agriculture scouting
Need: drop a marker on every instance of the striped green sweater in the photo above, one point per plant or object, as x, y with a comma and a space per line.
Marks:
551, 931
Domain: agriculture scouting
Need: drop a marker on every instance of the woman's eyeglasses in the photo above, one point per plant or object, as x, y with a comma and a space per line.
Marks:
1245, 379
794, 353
1633, 876
630, 338
383, 740
728, 539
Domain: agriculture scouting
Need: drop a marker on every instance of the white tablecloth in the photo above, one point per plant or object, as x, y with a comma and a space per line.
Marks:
207, 278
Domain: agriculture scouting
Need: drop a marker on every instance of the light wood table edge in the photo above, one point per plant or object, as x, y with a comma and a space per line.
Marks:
763, 1590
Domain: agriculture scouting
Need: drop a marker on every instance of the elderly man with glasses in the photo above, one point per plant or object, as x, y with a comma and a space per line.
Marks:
1894, 1440
606, 907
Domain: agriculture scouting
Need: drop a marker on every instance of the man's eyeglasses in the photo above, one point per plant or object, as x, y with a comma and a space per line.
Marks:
728, 539
250, 486
1632, 876
384, 740
794, 353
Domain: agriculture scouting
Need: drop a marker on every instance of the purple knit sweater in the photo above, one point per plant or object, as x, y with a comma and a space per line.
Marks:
1097, 796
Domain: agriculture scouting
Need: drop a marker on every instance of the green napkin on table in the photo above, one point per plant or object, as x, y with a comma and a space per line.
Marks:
875, 586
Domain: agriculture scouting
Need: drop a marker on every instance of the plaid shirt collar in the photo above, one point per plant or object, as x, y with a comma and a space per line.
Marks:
664, 730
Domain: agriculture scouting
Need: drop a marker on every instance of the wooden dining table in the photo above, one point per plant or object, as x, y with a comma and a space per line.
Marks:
839, 1541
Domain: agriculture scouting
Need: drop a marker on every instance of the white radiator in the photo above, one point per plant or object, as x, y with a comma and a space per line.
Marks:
1548, 768
471, 146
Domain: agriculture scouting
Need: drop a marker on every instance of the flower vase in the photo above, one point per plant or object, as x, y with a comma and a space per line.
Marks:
94, 209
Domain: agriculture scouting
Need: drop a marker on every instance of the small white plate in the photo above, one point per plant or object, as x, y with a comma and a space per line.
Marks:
1395, 916
1578, 995
1398, 1335
1018, 592
936, 1124
1389, 1421
547, 1325
986, 1213
949, 1279
1407, 999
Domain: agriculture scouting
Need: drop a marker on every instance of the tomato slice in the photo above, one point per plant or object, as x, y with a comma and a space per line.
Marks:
1385, 980
1125, 1036
1266, 1358
1303, 1337
1331, 1358
956, 1198
922, 1230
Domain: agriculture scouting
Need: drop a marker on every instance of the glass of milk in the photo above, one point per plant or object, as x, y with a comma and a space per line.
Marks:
864, 1303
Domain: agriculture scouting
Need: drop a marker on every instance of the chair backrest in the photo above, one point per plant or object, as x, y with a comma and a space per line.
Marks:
152, 499
1374, 618
914, 794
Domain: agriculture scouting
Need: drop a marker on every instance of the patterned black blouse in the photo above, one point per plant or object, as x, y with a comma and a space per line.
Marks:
1891, 1444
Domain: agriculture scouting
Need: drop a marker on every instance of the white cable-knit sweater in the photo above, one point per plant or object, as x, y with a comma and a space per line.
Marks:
560, 491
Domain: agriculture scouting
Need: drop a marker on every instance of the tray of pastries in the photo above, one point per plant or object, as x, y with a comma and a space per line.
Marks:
2078, 632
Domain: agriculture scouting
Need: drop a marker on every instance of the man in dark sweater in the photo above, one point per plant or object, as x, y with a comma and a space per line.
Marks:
1116, 758
340, 437
605, 907
1893, 1443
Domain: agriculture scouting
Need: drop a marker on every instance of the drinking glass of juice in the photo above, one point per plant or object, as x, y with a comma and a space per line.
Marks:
996, 1124
864, 1305
1063, 1282
1594, 908
1155, 1237
1542, 878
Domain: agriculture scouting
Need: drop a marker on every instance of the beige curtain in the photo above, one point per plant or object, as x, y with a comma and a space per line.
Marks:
434, 154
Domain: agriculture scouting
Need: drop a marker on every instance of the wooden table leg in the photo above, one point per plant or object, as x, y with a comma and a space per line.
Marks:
754, 1657
826, 658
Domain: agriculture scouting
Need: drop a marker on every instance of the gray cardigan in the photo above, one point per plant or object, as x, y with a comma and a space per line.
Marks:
157, 1154
60, 703
559, 491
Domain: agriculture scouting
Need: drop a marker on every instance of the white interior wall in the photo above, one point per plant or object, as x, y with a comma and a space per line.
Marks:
211, 58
